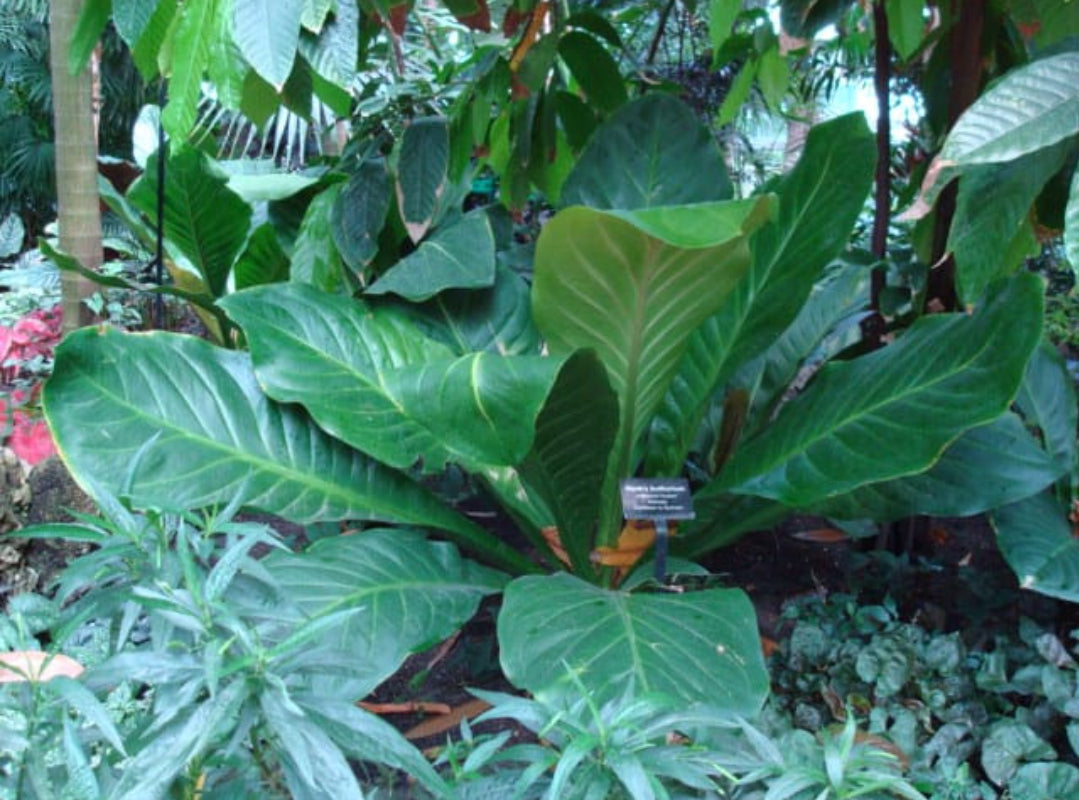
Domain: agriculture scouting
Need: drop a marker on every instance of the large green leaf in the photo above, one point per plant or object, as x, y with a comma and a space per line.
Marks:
263, 260
1030, 108
268, 32
359, 212
700, 647
633, 286
315, 259
131, 18
93, 16
818, 204
994, 201
651, 152
422, 173
594, 69
189, 36
333, 55
204, 219
985, 468
407, 594
1071, 224
458, 256
1037, 541
892, 412
723, 518
370, 379
574, 435
1047, 400
173, 422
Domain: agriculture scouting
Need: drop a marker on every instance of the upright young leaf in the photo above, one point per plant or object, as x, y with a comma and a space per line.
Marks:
651, 152
268, 33
422, 173
851, 426
190, 41
818, 203
359, 212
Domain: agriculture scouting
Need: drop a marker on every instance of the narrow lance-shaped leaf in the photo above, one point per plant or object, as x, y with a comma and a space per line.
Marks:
422, 173
369, 378
697, 647
180, 424
892, 412
818, 204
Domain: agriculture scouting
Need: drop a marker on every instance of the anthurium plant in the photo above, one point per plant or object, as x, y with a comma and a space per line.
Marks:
669, 314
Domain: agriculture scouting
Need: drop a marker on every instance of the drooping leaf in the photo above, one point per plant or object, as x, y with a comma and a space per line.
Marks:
334, 54
190, 39
906, 25
263, 260
422, 173
131, 18
738, 94
458, 256
1047, 400
1071, 224
818, 204
146, 50
370, 379
204, 219
594, 69
985, 468
851, 425
315, 259
1038, 543
406, 593
93, 16
696, 647
257, 186
574, 435
359, 212
189, 425
226, 67
721, 17
651, 152
994, 201
268, 32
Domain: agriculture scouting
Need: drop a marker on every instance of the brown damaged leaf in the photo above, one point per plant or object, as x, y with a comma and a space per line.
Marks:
21, 666
939, 174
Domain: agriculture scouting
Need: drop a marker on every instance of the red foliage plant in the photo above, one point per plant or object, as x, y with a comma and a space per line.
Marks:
33, 336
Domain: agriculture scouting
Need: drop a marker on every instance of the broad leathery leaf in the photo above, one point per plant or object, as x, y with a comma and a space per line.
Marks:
422, 173
204, 219
268, 32
498, 320
263, 260
723, 518
314, 14
359, 212
1036, 539
994, 201
1047, 400
985, 468
721, 17
457, 256
254, 184
651, 152
697, 647
334, 54
406, 594
1030, 108
148, 48
204, 434
93, 16
906, 25
854, 423
189, 38
131, 18
594, 70
575, 432
372, 380
819, 202
1071, 224
1042, 780
314, 767
315, 260
473, 14
365, 737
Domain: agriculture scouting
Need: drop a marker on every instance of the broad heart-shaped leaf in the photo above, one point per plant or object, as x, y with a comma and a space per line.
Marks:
422, 173
359, 212
701, 647
985, 468
204, 219
1037, 541
651, 152
498, 319
372, 380
1030, 108
407, 594
892, 412
994, 201
268, 32
574, 435
173, 422
458, 256
818, 204
1047, 400
1071, 224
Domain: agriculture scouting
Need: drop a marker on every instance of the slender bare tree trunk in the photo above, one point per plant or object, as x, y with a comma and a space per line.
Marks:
79, 215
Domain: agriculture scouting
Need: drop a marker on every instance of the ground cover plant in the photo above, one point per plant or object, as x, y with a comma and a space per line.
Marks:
373, 342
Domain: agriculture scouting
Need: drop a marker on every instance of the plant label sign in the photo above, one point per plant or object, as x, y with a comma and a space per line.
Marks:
656, 498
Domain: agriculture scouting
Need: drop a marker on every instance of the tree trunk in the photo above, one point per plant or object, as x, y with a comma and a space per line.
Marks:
78, 213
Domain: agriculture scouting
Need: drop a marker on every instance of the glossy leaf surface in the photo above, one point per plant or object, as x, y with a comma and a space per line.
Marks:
698, 647
1037, 541
594, 69
422, 173
268, 32
370, 379
651, 152
359, 212
1047, 400
892, 412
